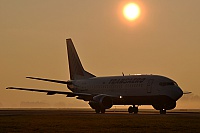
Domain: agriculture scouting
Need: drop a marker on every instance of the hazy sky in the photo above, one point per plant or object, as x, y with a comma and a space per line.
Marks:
164, 40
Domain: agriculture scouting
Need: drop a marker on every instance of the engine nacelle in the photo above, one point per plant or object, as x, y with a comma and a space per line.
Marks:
101, 101
167, 106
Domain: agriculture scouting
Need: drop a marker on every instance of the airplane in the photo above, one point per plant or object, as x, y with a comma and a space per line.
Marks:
102, 93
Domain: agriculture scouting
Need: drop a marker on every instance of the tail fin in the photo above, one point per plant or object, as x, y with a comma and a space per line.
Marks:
75, 67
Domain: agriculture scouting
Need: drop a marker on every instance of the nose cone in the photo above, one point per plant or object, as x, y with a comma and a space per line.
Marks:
177, 93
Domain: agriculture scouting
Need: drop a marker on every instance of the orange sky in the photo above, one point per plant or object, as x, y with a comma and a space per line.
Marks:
164, 40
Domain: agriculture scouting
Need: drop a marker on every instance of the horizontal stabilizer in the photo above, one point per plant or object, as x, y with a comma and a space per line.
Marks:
50, 80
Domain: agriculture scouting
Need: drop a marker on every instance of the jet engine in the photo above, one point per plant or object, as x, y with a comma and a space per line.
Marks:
167, 106
101, 102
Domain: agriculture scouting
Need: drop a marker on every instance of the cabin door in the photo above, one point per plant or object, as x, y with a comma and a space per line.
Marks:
149, 85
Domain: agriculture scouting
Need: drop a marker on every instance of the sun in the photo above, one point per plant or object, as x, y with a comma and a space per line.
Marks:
131, 11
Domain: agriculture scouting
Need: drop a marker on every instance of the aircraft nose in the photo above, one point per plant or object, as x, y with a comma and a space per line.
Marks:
179, 93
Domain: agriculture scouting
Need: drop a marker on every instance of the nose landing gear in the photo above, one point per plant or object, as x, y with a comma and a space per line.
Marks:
132, 109
162, 111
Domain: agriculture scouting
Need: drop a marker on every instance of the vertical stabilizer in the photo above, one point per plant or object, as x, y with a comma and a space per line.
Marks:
75, 67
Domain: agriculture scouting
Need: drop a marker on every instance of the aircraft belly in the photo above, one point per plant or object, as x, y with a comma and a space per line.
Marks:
136, 92
142, 100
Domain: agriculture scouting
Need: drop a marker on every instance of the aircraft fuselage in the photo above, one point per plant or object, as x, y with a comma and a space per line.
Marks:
131, 89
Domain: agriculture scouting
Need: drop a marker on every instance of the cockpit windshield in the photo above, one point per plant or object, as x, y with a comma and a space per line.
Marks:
168, 83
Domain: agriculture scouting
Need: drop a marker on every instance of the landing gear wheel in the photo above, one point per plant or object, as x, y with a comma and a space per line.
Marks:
162, 111
97, 111
135, 110
103, 111
130, 109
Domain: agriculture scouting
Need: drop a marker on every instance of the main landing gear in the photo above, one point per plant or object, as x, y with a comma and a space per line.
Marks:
100, 110
132, 109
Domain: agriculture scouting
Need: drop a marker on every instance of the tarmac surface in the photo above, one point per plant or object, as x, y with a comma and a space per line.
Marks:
86, 120
84, 111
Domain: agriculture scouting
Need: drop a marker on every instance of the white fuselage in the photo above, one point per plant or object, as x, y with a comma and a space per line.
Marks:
129, 86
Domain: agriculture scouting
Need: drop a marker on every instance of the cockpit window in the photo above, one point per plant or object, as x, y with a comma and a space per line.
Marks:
175, 84
168, 83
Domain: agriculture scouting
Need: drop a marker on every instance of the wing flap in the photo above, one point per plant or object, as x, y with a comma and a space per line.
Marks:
49, 92
82, 96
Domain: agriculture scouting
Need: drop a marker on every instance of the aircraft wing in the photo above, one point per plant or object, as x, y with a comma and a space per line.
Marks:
187, 92
83, 96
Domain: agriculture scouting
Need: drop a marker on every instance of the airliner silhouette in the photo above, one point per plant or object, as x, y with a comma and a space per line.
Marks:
104, 92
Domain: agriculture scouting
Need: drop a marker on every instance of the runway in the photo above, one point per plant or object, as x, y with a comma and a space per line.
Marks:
85, 120
54, 111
